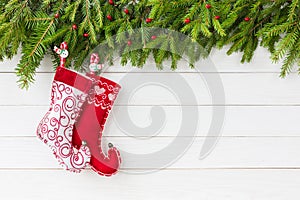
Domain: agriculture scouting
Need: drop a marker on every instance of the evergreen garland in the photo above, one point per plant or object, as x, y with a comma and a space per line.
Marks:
36, 26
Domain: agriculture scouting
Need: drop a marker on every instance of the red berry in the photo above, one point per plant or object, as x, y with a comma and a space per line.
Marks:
126, 11
153, 37
74, 26
217, 17
85, 35
148, 20
129, 43
109, 17
187, 20
56, 15
111, 2
208, 6
247, 19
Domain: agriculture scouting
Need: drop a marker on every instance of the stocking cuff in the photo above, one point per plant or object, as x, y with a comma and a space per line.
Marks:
105, 80
73, 79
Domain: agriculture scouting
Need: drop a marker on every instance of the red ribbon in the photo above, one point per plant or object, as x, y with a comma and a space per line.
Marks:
94, 58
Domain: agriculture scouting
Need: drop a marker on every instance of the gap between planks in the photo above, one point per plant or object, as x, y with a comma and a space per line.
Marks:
166, 169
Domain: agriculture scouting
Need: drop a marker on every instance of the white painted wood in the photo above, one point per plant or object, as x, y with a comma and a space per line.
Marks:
218, 58
236, 152
251, 121
240, 89
163, 185
257, 157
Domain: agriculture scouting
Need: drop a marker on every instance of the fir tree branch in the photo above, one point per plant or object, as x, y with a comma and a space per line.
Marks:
240, 24
40, 19
41, 39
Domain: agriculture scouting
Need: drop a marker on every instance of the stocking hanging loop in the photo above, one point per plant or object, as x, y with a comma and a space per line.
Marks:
94, 63
62, 52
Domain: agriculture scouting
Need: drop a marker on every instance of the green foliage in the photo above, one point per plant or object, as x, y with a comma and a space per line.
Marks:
242, 24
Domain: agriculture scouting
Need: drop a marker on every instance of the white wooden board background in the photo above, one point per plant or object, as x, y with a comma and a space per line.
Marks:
257, 156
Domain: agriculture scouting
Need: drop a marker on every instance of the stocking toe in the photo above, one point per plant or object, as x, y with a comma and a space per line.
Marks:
107, 165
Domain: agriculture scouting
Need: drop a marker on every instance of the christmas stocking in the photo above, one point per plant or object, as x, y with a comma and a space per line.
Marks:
69, 92
90, 126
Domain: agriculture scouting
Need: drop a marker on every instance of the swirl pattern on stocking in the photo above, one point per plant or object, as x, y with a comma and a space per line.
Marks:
56, 127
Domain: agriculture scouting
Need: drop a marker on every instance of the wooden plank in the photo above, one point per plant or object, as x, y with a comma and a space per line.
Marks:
166, 184
240, 89
218, 60
239, 152
253, 121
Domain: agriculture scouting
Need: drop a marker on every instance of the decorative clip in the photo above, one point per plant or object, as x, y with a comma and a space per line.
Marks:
62, 52
94, 66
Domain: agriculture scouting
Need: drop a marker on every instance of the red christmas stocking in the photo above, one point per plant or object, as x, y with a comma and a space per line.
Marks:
90, 126
69, 92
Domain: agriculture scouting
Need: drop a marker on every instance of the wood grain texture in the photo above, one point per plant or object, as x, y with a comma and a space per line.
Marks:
163, 185
230, 152
240, 89
257, 156
240, 121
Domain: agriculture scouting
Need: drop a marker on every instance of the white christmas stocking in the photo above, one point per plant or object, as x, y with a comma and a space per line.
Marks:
69, 91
